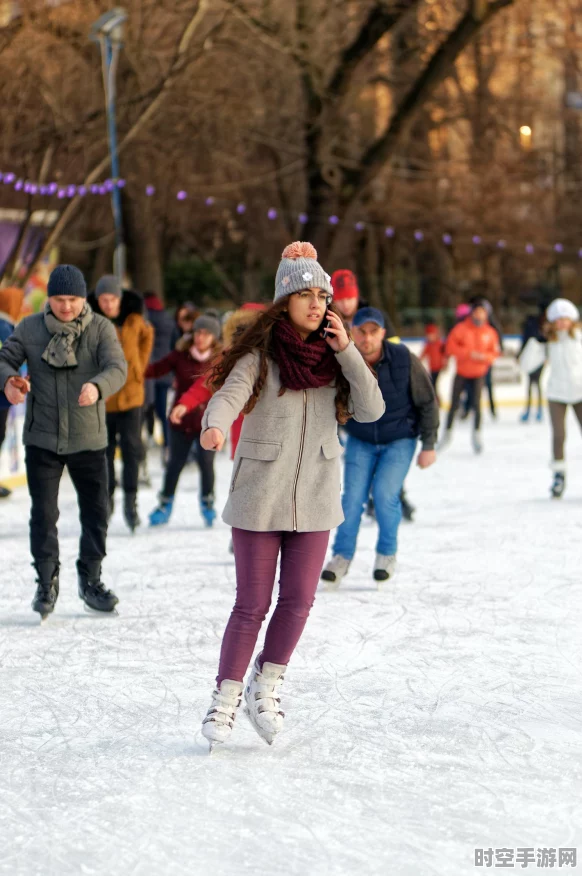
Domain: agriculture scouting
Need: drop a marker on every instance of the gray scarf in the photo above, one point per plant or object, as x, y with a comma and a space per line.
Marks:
60, 352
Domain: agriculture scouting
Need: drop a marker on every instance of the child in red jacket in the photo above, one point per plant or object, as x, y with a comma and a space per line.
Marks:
191, 359
433, 353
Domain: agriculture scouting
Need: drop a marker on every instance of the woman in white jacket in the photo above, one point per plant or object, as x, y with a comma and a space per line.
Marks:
565, 383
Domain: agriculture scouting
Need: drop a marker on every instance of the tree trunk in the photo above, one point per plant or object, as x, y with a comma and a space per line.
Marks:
144, 247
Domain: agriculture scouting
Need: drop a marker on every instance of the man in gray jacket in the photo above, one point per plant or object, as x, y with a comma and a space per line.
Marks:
74, 363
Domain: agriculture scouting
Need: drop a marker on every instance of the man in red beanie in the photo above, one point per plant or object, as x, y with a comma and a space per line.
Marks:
346, 295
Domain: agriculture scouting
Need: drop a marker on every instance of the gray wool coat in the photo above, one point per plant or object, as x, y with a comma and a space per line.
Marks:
54, 419
286, 473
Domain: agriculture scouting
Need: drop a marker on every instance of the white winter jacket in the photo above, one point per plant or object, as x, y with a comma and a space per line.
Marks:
565, 360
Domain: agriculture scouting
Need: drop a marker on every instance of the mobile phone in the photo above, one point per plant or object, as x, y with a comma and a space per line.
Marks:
326, 325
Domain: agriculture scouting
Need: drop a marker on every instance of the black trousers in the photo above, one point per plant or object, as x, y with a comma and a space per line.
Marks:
124, 429
180, 444
88, 472
474, 387
3, 421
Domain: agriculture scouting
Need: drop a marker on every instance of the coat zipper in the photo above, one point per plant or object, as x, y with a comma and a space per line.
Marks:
301, 445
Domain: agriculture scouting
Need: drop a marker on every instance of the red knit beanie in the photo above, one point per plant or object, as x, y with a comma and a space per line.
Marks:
344, 285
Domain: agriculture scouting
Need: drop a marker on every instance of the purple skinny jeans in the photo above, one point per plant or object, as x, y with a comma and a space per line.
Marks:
255, 554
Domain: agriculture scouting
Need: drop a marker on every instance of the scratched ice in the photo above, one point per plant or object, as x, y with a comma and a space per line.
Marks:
437, 716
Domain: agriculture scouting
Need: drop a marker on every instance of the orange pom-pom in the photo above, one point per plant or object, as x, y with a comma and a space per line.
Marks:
300, 250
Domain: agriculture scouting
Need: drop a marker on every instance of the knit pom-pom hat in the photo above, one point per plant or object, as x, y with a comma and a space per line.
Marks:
299, 269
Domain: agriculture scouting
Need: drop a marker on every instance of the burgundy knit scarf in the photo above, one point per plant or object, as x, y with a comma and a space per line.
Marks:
302, 364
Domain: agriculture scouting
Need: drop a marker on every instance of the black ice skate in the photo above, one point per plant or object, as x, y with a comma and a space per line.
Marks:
47, 591
558, 485
130, 511
92, 590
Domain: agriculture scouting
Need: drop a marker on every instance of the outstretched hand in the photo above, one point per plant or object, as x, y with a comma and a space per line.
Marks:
178, 413
89, 395
337, 336
16, 389
212, 439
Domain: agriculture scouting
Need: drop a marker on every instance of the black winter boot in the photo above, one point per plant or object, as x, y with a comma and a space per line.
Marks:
47, 591
130, 511
92, 590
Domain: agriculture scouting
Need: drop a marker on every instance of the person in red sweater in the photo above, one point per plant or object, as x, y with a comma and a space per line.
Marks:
475, 345
433, 353
191, 359
199, 393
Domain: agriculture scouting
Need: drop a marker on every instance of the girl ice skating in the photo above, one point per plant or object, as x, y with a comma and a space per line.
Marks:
294, 387
565, 382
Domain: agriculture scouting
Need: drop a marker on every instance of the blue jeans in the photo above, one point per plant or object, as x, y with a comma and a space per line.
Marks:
381, 468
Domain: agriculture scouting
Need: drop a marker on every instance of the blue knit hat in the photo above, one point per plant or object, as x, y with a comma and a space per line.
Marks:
67, 280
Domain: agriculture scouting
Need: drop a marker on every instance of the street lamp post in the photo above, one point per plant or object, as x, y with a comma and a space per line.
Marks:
108, 33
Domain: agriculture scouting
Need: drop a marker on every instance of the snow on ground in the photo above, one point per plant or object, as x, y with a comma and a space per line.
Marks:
441, 715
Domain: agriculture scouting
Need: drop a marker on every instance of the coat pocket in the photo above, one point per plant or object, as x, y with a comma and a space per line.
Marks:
332, 448
264, 451
261, 451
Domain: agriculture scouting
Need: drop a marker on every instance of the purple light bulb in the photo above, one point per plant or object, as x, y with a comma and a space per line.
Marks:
501, 244
559, 247
419, 235
333, 220
9, 178
241, 208
182, 195
94, 189
476, 239
121, 183
61, 193
272, 214
27, 187
71, 191
359, 226
303, 218
529, 248
209, 201
103, 190
389, 231
447, 239
18, 185
82, 191
43, 190
150, 190
33, 188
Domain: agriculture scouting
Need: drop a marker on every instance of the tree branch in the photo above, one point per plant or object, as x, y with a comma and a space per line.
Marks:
379, 22
101, 167
434, 73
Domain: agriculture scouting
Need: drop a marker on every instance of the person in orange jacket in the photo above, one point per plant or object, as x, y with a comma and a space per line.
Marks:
475, 345
433, 353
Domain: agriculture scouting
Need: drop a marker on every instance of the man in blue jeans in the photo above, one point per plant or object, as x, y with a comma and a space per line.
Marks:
378, 455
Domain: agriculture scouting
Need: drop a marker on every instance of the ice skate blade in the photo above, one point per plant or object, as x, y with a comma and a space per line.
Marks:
269, 738
94, 612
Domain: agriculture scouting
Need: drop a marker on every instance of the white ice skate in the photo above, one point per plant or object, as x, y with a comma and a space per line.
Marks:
477, 442
217, 725
335, 570
262, 699
384, 568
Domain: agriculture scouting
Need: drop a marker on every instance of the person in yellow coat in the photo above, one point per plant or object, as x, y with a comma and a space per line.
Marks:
125, 309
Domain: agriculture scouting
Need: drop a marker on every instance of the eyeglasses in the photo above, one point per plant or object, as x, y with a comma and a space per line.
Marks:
320, 297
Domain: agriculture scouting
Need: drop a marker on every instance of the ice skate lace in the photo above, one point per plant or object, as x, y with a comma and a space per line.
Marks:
266, 694
223, 709
98, 588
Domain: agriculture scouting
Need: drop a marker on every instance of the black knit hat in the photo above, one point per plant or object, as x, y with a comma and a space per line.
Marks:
67, 280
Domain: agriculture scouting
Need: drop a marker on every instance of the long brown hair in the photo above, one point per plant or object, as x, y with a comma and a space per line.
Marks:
258, 338
551, 333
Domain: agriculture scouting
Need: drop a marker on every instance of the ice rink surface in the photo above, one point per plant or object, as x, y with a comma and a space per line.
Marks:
440, 715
